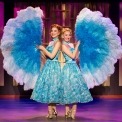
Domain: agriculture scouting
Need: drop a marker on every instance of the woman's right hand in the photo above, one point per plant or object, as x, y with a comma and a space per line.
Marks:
78, 43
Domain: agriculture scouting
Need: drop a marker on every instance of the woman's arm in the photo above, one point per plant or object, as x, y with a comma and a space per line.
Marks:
77, 55
68, 52
54, 52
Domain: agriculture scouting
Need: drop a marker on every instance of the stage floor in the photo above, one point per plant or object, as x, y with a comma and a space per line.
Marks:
26, 110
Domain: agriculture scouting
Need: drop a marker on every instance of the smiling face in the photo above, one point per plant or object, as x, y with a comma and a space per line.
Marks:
67, 36
54, 32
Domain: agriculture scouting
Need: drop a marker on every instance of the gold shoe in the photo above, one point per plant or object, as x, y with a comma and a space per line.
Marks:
55, 113
68, 115
73, 113
50, 114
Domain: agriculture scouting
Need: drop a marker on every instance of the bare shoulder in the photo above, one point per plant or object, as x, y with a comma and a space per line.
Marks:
64, 46
58, 43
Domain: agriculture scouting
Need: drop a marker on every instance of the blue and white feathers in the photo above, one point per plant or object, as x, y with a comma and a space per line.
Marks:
20, 38
100, 46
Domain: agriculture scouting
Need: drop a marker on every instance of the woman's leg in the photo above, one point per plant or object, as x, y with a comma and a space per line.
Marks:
73, 110
54, 109
67, 111
50, 111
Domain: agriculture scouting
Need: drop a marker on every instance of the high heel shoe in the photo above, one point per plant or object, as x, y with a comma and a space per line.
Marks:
68, 115
50, 114
55, 113
73, 113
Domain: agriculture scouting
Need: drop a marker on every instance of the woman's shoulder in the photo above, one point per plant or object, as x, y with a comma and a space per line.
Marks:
58, 42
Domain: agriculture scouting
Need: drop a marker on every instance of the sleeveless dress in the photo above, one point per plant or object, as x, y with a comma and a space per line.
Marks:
46, 89
73, 88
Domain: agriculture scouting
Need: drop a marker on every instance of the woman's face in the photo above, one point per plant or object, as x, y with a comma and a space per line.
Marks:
54, 32
67, 36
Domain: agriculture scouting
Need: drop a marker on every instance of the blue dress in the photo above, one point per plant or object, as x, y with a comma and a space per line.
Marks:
46, 89
73, 88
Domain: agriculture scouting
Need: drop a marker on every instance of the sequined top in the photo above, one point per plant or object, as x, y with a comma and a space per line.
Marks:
67, 58
50, 48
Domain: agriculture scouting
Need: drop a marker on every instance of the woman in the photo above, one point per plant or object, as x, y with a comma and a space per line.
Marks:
47, 86
73, 87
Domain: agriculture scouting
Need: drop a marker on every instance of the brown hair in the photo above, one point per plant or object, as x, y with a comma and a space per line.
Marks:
58, 27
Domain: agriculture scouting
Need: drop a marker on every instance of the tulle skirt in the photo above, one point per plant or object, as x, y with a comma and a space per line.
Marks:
73, 88
48, 83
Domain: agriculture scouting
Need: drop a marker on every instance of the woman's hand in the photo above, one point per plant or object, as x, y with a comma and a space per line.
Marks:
40, 47
78, 43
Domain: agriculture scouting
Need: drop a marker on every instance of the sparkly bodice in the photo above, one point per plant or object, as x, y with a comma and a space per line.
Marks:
50, 48
67, 58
